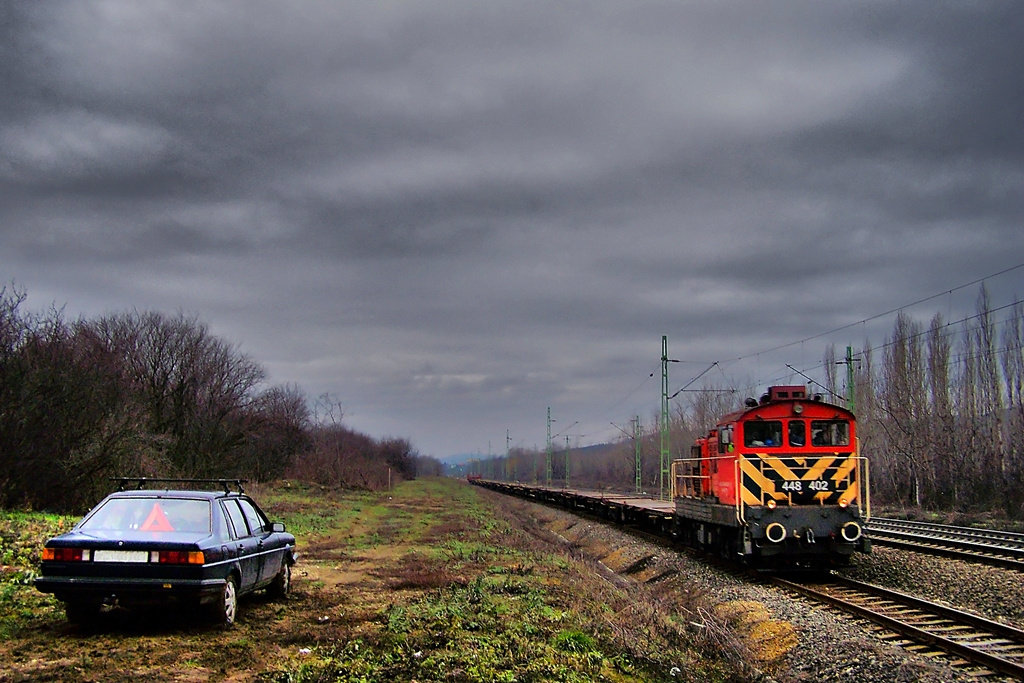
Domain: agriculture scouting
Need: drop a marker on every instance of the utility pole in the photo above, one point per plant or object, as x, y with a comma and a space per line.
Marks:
567, 451
663, 471
508, 455
636, 452
851, 388
547, 453
851, 379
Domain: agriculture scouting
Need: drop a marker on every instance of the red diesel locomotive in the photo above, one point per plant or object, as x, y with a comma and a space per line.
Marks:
780, 484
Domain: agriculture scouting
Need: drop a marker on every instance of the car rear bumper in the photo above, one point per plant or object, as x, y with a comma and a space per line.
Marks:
66, 588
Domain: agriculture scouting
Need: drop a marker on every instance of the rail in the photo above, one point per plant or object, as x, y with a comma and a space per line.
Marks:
999, 548
989, 644
964, 637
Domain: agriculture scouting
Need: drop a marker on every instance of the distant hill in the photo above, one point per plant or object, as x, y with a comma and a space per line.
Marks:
462, 458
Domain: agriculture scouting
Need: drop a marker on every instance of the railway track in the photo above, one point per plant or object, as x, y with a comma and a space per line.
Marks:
964, 639
979, 646
1000, 548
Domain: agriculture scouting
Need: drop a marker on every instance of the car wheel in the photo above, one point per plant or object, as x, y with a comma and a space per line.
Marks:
225, 607
281, 586
81, 611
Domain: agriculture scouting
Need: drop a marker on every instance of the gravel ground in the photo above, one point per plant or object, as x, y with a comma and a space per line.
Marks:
831, 646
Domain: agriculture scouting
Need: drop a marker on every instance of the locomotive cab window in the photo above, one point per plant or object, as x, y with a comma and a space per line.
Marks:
724, 439
830, 433
762, 433
797, 433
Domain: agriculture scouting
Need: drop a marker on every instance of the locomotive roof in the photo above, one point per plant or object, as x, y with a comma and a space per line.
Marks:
786, 396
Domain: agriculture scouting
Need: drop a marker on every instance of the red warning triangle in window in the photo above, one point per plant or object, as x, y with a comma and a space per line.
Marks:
157, 520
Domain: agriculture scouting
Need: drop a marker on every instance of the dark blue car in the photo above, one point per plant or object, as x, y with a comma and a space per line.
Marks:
144, 547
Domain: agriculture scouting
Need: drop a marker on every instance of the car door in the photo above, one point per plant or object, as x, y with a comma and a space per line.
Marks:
273, 547
260, 528
246, 546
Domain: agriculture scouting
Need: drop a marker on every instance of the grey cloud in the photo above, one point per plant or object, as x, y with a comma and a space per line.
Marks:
453, 214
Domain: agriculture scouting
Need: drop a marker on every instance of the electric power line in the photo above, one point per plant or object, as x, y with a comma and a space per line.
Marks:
882, 315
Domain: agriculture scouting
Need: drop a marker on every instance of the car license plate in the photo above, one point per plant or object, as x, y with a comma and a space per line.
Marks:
120, 556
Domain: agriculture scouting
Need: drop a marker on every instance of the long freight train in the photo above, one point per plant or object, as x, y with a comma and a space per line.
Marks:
780, 484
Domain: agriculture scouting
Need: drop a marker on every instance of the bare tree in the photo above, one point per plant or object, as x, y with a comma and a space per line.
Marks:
704, 408
277, 429
989, 388
1013, 372
68, 422
948, 474
831, 380
903, 402
195, 388
978, 408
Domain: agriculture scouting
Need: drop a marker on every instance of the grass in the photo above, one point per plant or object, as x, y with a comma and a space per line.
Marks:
478, 632
21, 541
467, 594
433, 581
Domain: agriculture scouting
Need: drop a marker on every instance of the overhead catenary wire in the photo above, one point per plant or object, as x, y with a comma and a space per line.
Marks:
947, 331
882, 315
688, 384
897, 309
948, 326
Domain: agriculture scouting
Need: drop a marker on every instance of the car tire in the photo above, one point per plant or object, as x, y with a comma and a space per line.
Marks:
225, 607
81, 611
281, 586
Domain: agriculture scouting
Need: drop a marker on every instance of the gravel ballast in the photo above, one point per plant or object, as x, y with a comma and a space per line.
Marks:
830, 646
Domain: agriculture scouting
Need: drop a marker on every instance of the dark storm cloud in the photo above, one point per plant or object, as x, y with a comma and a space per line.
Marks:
453, 214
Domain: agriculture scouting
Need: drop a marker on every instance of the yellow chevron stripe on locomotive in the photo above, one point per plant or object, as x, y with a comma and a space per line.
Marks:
801, 480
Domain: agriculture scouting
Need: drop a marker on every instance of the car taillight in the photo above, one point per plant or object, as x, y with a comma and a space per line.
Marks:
180, 557
64, 555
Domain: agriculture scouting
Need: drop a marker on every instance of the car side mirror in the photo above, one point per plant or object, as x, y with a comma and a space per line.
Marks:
277, 527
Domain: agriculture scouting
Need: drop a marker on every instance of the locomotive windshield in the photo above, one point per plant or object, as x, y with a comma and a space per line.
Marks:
762, 433
797, 433
830, 433
769, 433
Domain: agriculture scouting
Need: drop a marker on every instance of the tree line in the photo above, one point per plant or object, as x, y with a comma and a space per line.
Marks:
942, 410
940, 413
146, 394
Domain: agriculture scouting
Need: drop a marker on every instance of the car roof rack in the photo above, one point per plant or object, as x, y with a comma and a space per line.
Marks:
140, 483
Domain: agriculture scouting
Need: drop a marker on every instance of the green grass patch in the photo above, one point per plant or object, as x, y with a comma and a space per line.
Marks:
478, 632
334, 512
481, 600
432, 581
22, 535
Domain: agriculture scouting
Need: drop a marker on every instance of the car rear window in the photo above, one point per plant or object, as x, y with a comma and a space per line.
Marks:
150, 514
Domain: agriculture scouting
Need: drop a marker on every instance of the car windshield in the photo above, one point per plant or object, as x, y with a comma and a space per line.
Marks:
150, 514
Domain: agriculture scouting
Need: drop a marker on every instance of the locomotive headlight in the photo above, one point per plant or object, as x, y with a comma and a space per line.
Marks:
843, 502
775, 532
771, 503
851, 531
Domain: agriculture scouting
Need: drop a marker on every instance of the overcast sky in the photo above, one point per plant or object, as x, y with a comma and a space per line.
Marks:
452, 215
